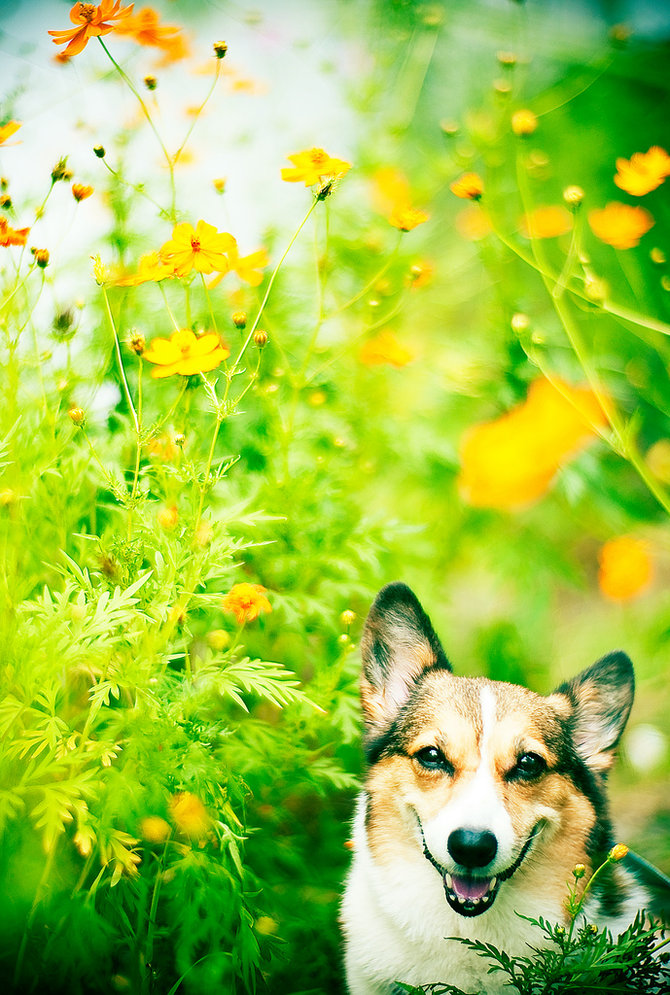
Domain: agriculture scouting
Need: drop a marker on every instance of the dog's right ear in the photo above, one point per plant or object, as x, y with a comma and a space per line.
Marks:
398, 645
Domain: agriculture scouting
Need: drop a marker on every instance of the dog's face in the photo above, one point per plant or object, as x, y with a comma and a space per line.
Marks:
478, 774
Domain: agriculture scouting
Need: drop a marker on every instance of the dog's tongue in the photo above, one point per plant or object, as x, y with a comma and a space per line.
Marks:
469, 888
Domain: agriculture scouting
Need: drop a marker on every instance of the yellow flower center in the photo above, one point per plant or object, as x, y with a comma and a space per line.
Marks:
87, 11
319, 157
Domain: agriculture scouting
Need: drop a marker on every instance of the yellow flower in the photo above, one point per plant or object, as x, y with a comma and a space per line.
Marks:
385, 348
168, 518
313, 166
150, 267
246, 602
618, 852
91, 21
469, 186
512, 461
620, 225
9, 129
153, 829
524, 122
190, 815
202, 248
394, 199
546, 222
625, 568
246, 267
12, 236
405, 217
186, 353
643, 172
472, 223
80, 191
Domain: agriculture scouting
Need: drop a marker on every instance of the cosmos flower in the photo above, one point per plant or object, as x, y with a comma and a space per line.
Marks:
511, 461
186, 353
468, 186
247, 267
643, 172
80, 191
625, 568
313, 166
246, 602
90, 21
385, 348
12, 236
546, 222
150, 267
620, 225
202, 248
9, 129
189, 815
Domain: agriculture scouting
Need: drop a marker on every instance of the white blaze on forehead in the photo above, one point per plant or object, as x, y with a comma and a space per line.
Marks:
477, 802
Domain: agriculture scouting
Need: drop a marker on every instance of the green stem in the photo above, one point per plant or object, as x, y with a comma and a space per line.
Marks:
119, 359
145, 110
138, 451
167, 306
199, 111
271, 281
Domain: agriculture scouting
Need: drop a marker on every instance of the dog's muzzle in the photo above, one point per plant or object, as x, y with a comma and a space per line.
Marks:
469, 893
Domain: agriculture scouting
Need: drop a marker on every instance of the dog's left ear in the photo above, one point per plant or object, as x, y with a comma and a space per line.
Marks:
398, 645
601, 697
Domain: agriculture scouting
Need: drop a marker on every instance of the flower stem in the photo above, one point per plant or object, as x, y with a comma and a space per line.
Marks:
119, 359
145, 110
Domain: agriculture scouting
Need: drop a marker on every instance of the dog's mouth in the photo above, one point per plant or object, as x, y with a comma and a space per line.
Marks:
471, 894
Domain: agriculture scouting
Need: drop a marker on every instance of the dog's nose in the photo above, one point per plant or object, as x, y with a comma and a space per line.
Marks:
472, 847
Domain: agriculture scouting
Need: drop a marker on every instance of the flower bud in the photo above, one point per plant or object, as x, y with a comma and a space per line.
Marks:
137, 343
80, 191
618, 852
573, 196
61, 171
507, 59
99, 151
524, 123
520, 322
657, 256
220, 49
260, 338
77, 415
219, 184
41, 257
5, 201
578, 871
239, 319
150, 82
348, 617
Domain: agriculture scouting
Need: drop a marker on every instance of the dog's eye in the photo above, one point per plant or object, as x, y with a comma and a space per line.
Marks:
433, 759
528, 767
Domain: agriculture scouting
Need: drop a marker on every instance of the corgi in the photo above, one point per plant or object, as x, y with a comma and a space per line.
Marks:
480, 799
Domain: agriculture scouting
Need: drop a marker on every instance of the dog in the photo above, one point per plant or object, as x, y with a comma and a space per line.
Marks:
480, 799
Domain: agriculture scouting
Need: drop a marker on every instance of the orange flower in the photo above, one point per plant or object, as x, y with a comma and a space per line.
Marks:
620, 225
385, 348
468, 186
12, 236
643, 172
511, 461
186, 353
145, 28
313, 166
9, 129
546, 222
190, 815
80, 191
150, 267
246, 602
625, 568
202, 248
92, 21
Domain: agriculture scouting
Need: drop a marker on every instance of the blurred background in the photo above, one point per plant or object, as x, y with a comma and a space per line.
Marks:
535, 550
